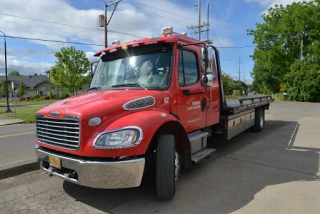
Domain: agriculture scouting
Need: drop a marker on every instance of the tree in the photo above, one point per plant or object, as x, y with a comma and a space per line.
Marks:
21, 89
229, 85
303, 82
14, 73
3, 87
286, 39
69, 69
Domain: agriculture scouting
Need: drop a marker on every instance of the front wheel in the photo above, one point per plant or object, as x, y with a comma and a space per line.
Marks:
166, 169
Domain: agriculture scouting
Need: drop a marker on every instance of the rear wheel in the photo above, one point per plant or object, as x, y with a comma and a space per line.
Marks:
259, 120
167, 167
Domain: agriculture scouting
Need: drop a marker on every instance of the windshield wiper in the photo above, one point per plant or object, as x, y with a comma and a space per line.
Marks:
129, 84
94, 89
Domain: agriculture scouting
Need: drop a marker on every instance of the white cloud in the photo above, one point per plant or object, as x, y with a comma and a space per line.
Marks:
272, 3
25, 52
90, 56
128, 19
24, 67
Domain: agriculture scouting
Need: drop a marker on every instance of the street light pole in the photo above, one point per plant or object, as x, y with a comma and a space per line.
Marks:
6, 68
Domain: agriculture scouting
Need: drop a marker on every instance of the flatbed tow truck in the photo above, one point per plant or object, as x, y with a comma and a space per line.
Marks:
153, 103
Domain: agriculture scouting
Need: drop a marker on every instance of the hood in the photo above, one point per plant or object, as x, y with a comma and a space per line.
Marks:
104, 100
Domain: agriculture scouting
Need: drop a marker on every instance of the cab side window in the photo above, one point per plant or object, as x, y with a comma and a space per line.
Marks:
188, 68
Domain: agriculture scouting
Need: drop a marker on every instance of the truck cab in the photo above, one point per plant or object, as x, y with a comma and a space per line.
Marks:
152, 103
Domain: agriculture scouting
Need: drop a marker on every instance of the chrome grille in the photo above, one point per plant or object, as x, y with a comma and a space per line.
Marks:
64, 133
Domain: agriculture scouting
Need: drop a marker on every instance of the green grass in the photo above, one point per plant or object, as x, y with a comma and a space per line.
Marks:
278, 97
26, 113
31, 102
233, 96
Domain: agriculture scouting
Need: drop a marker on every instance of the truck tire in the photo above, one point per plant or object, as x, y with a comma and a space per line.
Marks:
259, 119
165, 167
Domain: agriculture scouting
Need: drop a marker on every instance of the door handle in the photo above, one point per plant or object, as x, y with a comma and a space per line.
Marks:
203, 104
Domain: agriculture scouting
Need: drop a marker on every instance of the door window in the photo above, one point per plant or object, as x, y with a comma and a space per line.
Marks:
188, 68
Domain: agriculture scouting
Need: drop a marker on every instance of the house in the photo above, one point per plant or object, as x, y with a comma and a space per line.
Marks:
36, 84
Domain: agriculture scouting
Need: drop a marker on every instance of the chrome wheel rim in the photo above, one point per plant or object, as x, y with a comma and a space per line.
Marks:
261, 119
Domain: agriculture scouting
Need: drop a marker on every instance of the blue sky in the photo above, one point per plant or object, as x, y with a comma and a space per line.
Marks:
76, 21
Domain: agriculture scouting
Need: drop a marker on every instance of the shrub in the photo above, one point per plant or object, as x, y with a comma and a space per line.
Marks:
46, 97
22, 98
28, 98
37, 96
65, 95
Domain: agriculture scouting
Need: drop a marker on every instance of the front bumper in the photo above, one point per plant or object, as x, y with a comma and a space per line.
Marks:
95, 174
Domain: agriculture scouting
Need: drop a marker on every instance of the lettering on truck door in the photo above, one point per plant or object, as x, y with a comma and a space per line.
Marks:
190, 109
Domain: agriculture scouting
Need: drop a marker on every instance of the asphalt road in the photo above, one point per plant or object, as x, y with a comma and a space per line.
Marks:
16, 144
276, 171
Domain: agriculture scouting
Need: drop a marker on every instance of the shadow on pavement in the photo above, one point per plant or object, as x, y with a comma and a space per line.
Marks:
225, 182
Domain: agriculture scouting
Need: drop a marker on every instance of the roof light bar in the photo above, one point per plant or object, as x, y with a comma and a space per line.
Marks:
167, 31
115, 42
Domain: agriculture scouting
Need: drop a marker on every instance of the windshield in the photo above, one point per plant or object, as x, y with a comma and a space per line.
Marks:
143, 67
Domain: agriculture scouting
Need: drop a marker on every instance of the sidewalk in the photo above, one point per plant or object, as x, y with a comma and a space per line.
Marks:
9, 121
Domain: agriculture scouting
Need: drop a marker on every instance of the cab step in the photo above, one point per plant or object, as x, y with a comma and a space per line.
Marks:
202, 154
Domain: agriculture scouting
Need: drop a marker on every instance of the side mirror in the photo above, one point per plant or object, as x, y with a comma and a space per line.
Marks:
207, 79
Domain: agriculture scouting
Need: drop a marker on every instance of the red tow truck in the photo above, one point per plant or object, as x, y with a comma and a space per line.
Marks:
152, 103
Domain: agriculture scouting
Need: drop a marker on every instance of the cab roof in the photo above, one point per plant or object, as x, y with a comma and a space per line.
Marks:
146, 41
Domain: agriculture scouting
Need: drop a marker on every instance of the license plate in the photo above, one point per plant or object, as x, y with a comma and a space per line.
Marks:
55, 162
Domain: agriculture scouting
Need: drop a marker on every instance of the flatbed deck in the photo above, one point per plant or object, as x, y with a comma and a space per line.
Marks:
234, 106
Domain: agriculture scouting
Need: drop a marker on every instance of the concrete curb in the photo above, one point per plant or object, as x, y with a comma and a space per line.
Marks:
18, 169
9, 122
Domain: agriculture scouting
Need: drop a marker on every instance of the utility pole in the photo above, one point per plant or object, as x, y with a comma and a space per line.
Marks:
199, 27
105, 25
103, 19
199, 18
239, 68
208, 24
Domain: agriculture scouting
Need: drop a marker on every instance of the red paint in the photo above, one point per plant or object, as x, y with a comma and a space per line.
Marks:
107, 104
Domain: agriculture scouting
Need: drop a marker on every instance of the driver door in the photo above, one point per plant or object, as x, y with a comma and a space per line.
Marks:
191, 101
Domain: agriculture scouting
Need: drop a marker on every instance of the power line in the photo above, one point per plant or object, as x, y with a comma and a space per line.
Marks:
163, 10
40, 20
50, 40
154, 8
153, 15
66, 42
220, 44
128, 34
246, 46
58, 23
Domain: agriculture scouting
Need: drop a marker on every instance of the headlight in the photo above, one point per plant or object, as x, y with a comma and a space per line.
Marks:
124, 138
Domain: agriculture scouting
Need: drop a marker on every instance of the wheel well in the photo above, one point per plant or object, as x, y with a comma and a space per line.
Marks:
181, 141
